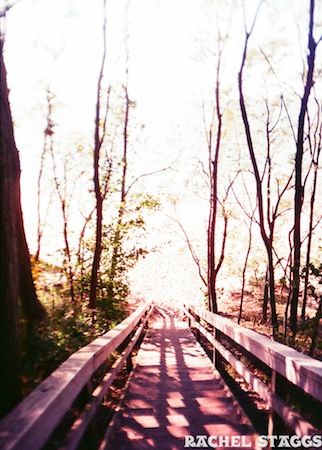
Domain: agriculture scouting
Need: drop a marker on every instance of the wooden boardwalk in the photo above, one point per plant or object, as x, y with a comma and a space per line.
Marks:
174, 392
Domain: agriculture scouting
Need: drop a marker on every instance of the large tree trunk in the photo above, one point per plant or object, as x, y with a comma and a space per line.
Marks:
16, 283
9, 280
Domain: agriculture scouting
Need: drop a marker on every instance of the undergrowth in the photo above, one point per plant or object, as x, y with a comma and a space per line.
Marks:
65, 331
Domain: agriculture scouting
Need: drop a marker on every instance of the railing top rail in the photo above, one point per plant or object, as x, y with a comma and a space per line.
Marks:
301, 370
44, 407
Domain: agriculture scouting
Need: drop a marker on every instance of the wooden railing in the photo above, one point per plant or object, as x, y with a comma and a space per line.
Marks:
33, 421
283, 363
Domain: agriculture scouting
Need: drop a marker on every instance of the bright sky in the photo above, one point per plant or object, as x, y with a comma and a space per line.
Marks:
59, 44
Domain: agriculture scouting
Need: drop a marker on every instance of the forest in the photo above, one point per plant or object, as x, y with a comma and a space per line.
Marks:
148, 147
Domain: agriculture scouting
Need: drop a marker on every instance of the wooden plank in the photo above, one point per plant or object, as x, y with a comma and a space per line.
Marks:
30, 424
174, 392
301, 370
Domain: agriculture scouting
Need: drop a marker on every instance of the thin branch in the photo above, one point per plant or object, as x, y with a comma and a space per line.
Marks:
155, 172
192, 251
7, 8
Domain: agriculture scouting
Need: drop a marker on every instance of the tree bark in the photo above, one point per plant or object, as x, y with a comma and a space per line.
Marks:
315, 152
32, 308
213, 160
16, 283
98, 142
9, 290
299, 188
309, 243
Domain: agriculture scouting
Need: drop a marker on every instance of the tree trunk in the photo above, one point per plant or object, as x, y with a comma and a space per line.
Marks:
299, 188
259, 194
33, 310
9, 287
64, 203
315, 328
309, 245
249, 247
47, 135
315, 159
212, 298
118, 231
16, 283
265, 297
213, 160
98, 142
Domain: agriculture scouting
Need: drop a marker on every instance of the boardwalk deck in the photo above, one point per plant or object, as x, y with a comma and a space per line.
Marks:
174, 393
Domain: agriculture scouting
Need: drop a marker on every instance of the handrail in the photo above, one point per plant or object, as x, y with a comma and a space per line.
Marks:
299, 369
32, 422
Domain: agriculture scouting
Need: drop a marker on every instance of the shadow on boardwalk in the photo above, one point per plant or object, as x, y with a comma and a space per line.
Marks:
175, 392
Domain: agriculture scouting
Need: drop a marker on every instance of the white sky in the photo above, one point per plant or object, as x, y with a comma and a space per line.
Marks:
58, 43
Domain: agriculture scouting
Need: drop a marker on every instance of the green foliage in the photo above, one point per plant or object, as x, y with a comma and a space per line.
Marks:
315, 279
68, 327
111, 310
121, 246
311, 326
46, 347
71, 326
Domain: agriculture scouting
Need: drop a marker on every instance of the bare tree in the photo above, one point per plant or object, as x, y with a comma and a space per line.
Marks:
299, 188
48, 132
194, 255
99, 135
315, 147
267, 238
65, 199
123, 197
213, 267
251, 218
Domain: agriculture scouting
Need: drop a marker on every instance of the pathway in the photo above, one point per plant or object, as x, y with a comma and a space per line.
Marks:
175, 395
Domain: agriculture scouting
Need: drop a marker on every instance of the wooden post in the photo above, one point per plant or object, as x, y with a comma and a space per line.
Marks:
276, 424
186, 316
198, 331
129, 363
144, 317
217, 358
92, 429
